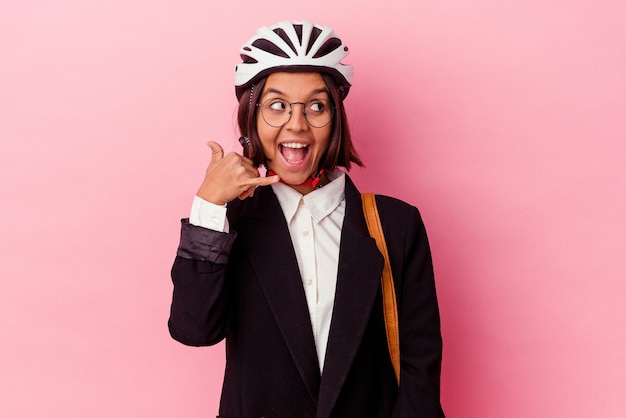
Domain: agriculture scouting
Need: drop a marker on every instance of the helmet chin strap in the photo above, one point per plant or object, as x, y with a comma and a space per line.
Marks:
313, 181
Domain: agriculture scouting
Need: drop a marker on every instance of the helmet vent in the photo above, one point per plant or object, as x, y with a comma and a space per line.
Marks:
283, 35
315, 33
298, 29
267, 46
247, 59
328, 47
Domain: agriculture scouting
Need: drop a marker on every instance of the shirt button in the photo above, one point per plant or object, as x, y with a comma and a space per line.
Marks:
309, 282
305, 233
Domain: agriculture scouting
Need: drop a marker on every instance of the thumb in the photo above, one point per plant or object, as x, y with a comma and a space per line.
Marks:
218, 152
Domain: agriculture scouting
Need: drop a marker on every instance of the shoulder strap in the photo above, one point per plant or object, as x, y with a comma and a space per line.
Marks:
389, 293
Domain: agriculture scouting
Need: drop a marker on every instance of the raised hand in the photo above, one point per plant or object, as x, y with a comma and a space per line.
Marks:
230, 176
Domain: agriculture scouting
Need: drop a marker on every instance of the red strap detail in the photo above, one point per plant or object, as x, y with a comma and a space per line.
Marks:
312, 181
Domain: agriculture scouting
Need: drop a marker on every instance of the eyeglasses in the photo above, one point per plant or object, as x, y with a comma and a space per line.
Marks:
277, 112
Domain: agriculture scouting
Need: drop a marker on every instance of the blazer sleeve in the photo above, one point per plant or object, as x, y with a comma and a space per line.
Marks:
199, 313
418, 314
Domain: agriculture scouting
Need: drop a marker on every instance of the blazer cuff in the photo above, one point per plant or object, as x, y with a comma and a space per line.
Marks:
197, 243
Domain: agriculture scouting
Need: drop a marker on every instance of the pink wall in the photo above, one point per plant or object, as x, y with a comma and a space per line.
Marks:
503, 121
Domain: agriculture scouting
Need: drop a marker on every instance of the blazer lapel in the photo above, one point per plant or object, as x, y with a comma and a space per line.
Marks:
274, 261
358, 283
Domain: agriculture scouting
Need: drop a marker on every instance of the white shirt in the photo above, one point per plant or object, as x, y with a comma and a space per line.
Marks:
314, 222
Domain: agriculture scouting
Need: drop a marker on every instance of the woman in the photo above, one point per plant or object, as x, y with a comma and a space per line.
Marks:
283, 266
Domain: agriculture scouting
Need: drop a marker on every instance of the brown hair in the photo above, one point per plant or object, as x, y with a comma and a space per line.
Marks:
340, 152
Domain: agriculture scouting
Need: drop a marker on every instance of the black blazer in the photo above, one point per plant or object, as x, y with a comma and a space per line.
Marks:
245, 286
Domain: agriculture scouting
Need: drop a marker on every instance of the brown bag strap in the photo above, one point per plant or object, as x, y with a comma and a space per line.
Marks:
389, 293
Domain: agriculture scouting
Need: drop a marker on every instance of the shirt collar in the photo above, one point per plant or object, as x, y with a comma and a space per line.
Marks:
321, 202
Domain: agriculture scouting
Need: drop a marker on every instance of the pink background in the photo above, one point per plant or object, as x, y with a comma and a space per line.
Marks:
503, 121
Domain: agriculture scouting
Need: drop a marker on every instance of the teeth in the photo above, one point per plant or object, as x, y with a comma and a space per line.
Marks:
294, 145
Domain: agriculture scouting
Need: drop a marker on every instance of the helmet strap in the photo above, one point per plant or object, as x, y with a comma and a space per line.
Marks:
244, 141
313, 181
251, 93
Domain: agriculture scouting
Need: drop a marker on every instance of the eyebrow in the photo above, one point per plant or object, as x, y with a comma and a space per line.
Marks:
312, 93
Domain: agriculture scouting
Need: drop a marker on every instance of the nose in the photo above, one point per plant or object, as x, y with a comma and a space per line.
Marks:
297, 119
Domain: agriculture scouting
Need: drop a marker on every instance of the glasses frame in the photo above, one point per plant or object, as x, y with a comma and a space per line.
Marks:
304, 105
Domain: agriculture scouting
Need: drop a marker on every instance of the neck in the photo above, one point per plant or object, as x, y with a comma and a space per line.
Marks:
312, 183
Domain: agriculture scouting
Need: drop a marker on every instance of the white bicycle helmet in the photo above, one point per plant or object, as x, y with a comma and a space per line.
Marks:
293, 46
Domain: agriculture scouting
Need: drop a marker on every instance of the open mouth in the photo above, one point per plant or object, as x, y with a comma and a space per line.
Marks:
294, 152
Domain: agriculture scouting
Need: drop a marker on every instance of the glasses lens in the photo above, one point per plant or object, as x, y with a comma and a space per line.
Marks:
277, 112
318, 112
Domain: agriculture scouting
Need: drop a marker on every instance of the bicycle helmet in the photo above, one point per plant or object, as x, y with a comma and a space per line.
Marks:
293, 46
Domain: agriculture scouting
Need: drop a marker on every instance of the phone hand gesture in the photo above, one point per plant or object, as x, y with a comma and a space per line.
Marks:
230, 176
